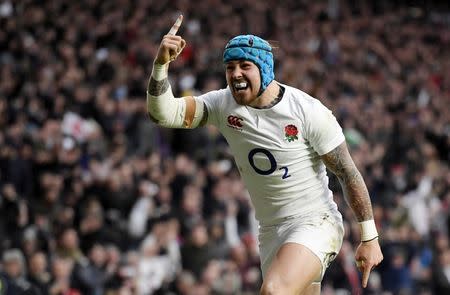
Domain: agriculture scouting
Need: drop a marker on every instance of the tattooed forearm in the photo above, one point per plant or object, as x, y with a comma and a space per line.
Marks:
156, 88
355, 191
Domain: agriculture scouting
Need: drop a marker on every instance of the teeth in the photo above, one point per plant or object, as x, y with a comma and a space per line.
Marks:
240, 85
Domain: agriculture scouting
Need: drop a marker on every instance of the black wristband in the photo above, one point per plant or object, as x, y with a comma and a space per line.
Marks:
370, 240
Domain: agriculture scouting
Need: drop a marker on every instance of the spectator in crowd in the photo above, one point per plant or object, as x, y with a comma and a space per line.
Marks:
68, 246
14, 275
38, 273
91, 275
184, 283
62, 277
441, 273
197, 250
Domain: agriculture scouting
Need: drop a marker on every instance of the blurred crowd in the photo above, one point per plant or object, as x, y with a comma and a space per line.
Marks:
96, 199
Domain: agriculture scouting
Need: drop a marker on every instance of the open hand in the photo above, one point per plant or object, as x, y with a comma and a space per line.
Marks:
171, 44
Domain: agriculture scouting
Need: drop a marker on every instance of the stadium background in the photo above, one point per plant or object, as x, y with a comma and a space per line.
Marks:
95, 199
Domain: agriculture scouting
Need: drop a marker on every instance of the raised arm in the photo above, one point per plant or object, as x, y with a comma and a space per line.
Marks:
163, 108
368, 254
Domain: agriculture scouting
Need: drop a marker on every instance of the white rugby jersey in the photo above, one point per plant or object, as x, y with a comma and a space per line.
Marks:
277, 151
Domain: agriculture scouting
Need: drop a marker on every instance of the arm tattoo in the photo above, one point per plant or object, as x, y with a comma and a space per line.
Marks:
355, 191
156, 88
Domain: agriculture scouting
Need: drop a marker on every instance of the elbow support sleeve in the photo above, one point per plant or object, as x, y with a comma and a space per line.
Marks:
168, 111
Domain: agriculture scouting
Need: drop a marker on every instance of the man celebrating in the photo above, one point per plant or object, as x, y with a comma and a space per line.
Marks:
282, 140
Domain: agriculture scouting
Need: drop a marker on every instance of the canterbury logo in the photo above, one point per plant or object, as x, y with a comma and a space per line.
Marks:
234, 121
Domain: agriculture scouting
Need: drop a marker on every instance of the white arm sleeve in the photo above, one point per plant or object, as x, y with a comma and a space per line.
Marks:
168, 111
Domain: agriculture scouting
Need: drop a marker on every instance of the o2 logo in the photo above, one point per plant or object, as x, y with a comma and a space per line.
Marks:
272, 161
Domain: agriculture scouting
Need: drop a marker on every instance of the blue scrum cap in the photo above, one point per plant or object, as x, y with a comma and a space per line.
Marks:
254, 49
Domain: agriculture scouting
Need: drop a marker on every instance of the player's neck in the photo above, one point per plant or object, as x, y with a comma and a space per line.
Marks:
271, 96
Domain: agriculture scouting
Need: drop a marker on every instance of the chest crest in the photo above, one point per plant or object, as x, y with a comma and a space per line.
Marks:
290, 132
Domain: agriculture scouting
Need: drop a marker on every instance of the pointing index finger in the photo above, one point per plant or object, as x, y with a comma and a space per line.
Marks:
365, 276
174, 29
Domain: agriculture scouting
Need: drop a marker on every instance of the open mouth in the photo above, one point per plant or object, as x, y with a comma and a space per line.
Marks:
240, 86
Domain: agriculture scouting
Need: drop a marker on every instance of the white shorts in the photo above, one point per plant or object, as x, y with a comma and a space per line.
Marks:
322, 234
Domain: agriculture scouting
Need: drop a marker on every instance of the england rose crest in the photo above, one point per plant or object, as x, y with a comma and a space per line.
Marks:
291, 132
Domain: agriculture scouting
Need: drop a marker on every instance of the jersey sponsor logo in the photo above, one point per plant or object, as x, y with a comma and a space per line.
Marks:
273, 163
291, 132
234, 122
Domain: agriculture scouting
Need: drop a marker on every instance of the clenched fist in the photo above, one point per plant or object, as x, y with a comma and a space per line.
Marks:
171, 44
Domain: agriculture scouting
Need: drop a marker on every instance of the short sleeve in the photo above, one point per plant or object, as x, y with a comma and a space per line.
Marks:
322, 129
213, 101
